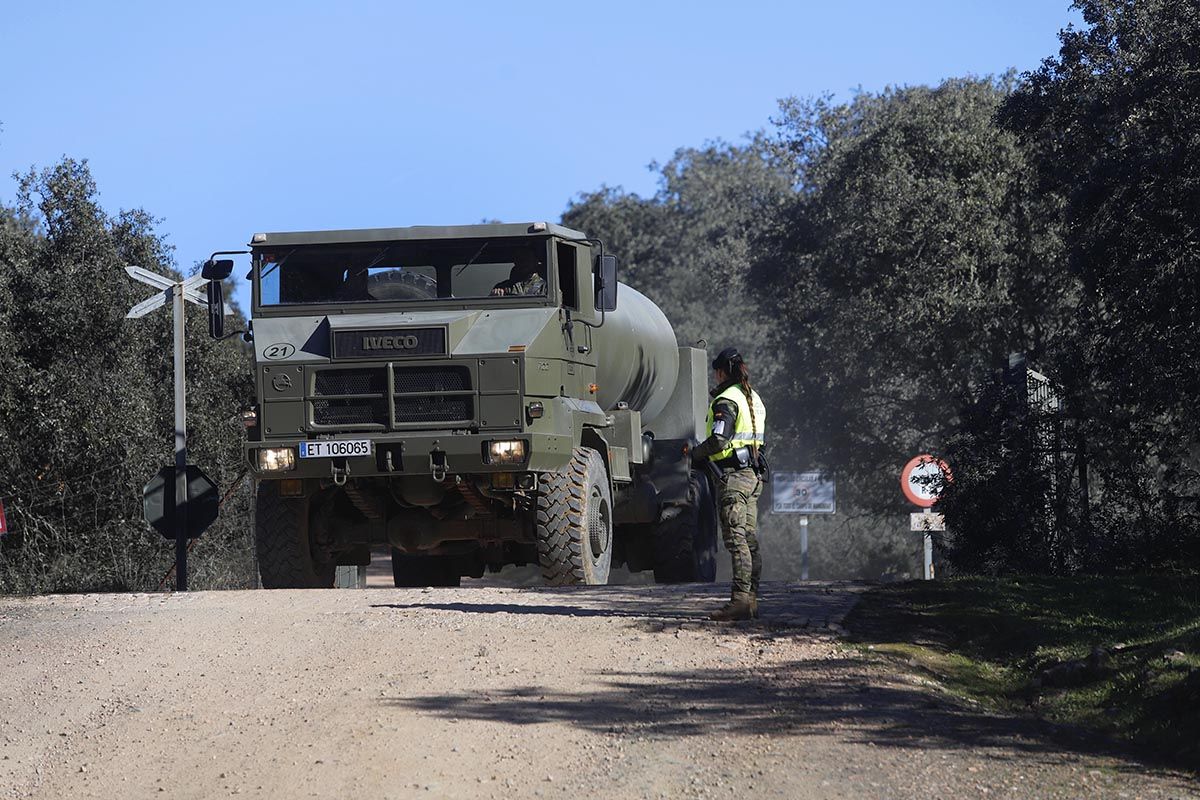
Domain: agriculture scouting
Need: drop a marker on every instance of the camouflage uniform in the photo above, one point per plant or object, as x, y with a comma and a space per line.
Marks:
740, 490
532, 286
736, 423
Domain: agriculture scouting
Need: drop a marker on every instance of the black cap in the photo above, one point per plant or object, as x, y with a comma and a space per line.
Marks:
726, 359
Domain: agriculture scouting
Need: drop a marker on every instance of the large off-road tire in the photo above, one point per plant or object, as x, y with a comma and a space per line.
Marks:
685, 546
285, 557
412, 571
575, 522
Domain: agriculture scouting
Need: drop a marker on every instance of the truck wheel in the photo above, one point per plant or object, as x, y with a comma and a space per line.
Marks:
285, 557
685, 546
574, 522
413, 571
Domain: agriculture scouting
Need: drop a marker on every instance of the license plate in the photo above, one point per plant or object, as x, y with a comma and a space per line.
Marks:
336, 448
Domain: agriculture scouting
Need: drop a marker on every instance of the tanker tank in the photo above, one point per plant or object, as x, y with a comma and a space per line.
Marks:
637, 356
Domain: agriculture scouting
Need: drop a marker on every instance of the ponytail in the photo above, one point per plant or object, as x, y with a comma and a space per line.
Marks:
742, 374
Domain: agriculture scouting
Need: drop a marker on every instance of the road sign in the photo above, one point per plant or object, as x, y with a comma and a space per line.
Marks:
803, 493
3, 521
927, 521
922, 479
151, 278
179, 293
189, 288
149, 304
158, 502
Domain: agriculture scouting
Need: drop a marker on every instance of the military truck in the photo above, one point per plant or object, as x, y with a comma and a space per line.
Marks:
472, 397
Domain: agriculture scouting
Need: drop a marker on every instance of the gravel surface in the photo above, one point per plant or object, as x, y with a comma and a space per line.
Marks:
497, 692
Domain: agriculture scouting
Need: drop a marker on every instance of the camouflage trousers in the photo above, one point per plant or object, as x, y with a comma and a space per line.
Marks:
740, 491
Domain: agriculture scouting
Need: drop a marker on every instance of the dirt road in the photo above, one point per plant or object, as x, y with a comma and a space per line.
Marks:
489, 692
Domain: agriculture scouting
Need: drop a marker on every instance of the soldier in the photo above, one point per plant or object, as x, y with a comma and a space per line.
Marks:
736, 426
526, 279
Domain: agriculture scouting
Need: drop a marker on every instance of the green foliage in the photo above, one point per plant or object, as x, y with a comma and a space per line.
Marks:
86, 404
689, 247
1000, 641
911, 261
1113, 120
1001, 503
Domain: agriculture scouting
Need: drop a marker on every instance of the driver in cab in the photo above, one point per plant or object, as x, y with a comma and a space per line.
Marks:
527, 278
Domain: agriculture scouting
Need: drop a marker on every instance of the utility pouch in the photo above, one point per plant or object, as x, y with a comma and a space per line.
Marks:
762, 468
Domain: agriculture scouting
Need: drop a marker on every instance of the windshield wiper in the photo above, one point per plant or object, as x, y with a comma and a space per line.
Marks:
471, 260
379, 257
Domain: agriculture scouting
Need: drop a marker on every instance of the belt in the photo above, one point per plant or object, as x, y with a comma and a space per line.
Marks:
740, 458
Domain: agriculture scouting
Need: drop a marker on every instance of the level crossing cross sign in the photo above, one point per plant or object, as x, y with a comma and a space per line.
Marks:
169, 504
190, 288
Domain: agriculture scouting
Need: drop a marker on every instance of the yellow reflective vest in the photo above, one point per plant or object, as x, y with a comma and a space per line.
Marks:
749, 431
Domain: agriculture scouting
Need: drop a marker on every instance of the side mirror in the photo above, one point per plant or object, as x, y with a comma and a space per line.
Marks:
217, 269
605, 272
216, 307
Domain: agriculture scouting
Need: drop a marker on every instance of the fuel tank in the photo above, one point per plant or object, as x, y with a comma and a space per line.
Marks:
637, 356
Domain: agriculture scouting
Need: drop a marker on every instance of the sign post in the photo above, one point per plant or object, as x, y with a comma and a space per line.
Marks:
177, 292
803, 493
804, 547
921, 481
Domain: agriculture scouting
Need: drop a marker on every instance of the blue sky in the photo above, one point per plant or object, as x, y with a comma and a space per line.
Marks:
229, 118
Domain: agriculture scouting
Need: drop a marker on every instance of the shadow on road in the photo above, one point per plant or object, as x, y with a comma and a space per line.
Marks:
847, 698
783, 605
512, 608
778, 700
796, 699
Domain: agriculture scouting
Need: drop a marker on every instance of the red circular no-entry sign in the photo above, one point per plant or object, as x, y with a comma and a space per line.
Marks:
922, 478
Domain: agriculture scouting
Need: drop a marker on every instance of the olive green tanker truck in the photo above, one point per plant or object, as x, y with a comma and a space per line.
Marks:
471, 397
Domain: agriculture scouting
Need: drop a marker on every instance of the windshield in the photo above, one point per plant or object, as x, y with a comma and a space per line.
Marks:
400, 272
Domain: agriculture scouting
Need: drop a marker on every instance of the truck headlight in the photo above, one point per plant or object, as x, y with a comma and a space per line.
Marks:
506, 452
276, 459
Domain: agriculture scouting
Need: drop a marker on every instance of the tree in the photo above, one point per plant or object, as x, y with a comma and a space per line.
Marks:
911, 261
86, 406
1113, 120
689, 247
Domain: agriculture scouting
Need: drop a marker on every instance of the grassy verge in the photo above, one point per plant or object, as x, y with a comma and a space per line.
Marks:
1119, 656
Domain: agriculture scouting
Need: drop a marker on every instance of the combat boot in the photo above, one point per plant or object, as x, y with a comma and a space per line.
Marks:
753, 606
737, 608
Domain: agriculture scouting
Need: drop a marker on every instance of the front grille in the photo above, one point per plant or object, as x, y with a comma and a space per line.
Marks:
433, 394
365, 411
416, 380
351, 381
434, 409
426, 396
366, 405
